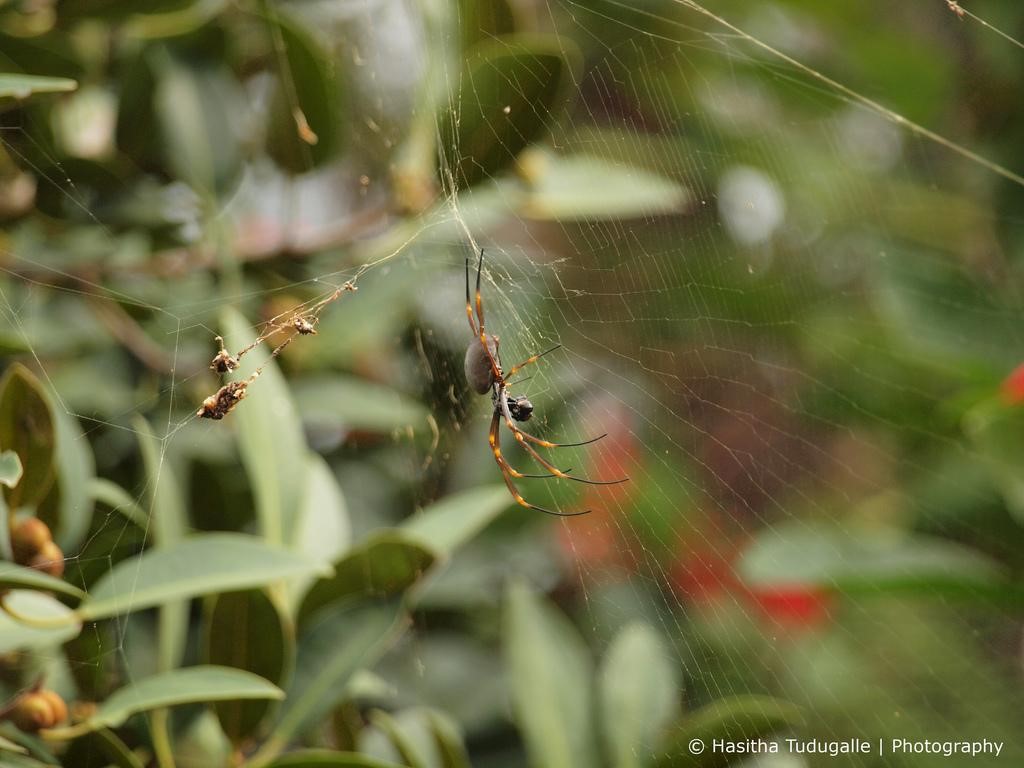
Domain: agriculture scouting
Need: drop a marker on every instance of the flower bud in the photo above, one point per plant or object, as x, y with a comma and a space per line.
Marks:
28, 537
37, 710
60, 709
49, 560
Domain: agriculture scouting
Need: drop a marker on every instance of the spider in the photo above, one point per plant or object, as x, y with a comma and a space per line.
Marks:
484, 374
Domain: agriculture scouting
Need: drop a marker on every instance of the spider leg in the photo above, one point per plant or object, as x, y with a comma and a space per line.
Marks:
548, 444
479, 301
495, 440
481, 332
524, 443
469, 303
533, 438
531, 359
510, 384
507, 473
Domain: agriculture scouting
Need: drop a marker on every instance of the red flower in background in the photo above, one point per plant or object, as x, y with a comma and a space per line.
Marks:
704, 573
1012, 389
596, 539
614, 456
706, 576
591, 541
796, 606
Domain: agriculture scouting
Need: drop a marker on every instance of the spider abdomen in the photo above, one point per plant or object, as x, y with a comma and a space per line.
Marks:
479, 372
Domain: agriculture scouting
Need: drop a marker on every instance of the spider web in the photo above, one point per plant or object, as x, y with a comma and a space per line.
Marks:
781, 364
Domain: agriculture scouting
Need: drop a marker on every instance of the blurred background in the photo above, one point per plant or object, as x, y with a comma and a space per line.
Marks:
796, 316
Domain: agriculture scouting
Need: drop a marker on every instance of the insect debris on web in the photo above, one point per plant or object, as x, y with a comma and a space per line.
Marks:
223, 401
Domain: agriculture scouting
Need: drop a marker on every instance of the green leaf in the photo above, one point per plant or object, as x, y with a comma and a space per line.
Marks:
203, 565
422, 737
510, 91
550, 671
68, 507
640, 691
309, 90
865, 561
997, 430
585, 187
15, 86
23, 761
322, 758
737, 718
324, 530
181, 686
481, 20
10, 469
168, 520
366, 684
345, 638
448, 524
245, 630
118, 499
412, 747
384, 565
6, 519
105, 742
201, 743
137, 121
6, 745
345, 402
168, 523
270, 437
16, 576
450, 744
123, 10
197, 108
174, 22
49, 624
914, 293
26, 427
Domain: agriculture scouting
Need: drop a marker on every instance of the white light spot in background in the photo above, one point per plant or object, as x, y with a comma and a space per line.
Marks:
751, 205
743, 105
871, 139
84, 123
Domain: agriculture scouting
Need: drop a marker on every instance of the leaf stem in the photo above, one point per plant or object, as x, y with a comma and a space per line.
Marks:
158, 722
